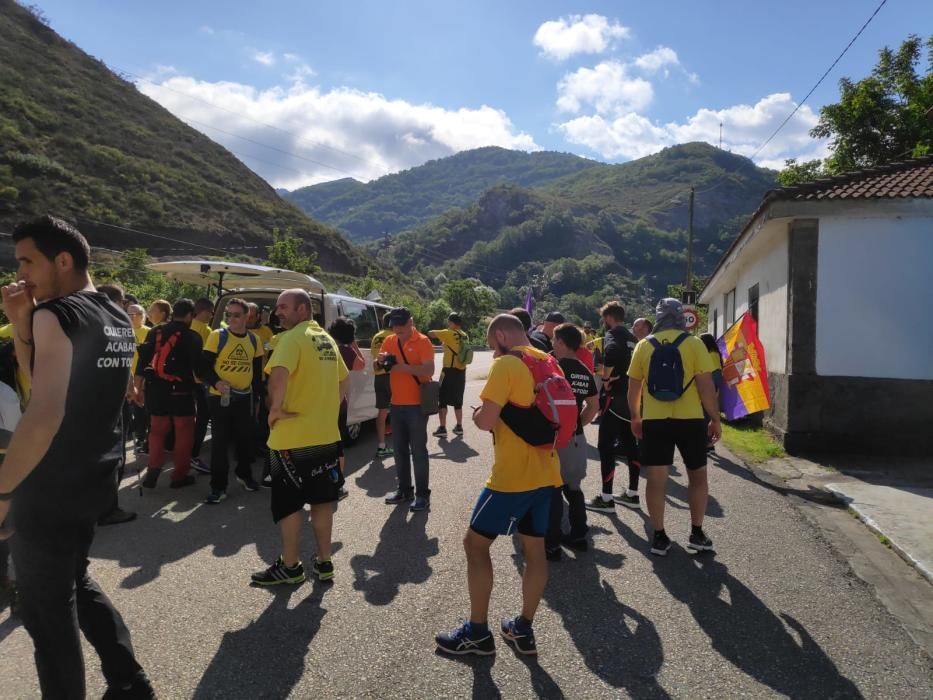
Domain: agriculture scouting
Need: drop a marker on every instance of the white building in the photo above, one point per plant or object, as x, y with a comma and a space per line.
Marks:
839, 274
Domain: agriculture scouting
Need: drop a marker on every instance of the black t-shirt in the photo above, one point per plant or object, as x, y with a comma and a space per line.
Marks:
581, 381
618, 346
185, 355
87, 447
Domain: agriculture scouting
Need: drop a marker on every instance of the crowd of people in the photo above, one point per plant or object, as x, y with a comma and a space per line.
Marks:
97, 376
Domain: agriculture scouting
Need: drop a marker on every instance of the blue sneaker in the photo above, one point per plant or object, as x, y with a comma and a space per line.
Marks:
421, 503
460, 642
523, 639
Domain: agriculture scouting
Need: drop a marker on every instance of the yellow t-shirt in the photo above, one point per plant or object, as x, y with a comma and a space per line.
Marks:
696, 360
264, 333
451, 341
518, 466
140, 334
376, 346
234, 361
23, 379
201, 328
315, 370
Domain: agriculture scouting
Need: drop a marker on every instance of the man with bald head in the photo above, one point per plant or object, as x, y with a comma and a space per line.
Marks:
642, 328
307, 381
517, 497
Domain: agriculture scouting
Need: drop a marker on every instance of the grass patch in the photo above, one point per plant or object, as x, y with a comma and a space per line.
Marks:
751, 444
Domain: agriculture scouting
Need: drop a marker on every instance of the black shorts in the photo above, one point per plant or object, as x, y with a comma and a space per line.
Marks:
660, 437
303, 475
383, 391
453, 382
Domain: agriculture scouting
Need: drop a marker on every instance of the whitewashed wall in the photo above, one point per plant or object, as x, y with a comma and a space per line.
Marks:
875, 297
762, 261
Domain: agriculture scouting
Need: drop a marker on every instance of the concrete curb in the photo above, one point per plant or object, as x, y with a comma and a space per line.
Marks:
878, 530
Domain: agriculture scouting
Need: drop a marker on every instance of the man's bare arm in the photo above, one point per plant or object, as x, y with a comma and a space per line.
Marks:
488, 415
707, 390
590, 409
46, 409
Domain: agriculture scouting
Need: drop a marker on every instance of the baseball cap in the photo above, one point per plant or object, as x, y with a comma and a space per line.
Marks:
555, 317
455, 318
399, 316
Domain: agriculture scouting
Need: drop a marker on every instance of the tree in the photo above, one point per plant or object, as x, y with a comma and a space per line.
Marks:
795, 173
285, 253
469, 300
882, 117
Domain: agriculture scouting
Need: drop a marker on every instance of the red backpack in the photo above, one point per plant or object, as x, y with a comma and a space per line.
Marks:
552, 419
163, 359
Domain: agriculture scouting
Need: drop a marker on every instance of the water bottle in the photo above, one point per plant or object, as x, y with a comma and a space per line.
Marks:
225, 397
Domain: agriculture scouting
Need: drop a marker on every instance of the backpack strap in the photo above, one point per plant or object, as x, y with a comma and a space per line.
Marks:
224, 337
654, 342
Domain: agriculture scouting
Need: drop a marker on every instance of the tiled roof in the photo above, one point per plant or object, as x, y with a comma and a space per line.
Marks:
910, 178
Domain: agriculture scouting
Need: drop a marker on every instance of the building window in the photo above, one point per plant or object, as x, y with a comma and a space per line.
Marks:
715, 323
753, 302
728, 309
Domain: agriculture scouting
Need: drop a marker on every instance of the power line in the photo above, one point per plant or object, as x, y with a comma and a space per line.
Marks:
822, 78
168, 238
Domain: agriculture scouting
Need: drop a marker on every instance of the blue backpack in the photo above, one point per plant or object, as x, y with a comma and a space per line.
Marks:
225, 336
666, 369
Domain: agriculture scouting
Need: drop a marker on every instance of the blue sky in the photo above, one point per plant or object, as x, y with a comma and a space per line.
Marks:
310, 91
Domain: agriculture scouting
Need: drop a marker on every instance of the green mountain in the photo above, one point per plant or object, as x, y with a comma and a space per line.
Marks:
608, 231
402, 200
81, 142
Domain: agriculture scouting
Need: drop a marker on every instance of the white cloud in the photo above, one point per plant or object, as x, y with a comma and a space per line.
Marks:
561, 38
608, 87
360, 134
745, 128
654, 61
266, 58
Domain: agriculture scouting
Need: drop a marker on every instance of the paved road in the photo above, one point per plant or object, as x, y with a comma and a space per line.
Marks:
773, 613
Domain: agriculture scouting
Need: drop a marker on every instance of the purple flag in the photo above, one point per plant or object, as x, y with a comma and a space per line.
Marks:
530, 303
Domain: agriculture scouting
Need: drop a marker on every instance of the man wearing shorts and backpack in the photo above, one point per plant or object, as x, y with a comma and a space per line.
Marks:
517, 497
457, 356
672, 371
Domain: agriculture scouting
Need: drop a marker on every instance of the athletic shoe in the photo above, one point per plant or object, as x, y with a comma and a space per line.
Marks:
523, 641
553, 554
324, 570
248, 483
625, 500
700, 543
660, 544
266, 482
151, 478
384, 452
141, 448
440, 432
200, 466
342, 493
139, 689
599, 505
278, 574
461, 641
117, 516
400, 497
215, 497
186, 480
711, 447
578, 544
421, 503
458, 429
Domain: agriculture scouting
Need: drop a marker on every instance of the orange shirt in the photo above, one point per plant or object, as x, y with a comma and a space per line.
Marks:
418, 350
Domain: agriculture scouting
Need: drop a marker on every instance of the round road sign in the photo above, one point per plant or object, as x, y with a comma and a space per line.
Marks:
691, 317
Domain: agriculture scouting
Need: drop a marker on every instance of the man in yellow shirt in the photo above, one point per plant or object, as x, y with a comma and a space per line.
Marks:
672, 416
383, 388
231, 365
453, 376
137, 316
517, 498
307, 380
200, 324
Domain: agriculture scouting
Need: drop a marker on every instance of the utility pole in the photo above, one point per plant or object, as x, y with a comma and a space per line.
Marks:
720, 136
689, 288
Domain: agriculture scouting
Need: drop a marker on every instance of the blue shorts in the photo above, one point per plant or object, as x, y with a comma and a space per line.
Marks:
504, 513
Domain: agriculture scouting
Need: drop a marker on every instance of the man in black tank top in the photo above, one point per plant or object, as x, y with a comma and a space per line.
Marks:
58, 474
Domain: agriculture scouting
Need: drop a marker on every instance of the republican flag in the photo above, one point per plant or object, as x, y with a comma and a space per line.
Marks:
530, 303
744, 387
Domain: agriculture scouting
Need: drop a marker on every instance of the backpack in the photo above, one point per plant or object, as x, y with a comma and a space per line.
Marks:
225, 336
552, 418
666, 369
164, 364
465, 354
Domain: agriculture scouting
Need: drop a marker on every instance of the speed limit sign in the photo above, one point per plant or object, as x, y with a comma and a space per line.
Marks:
691, 317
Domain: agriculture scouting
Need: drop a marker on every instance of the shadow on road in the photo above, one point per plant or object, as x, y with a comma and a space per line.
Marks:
8, 626
484, 687
267, 657
401, 557
455, 450
616, 642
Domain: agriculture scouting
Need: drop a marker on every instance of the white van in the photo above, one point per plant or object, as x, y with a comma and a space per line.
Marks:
262, 285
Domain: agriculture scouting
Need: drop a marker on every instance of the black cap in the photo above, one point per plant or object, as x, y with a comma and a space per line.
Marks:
555, 317
455, 318
399, 316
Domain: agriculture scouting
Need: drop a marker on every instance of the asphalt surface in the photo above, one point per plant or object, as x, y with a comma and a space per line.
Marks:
775, 612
